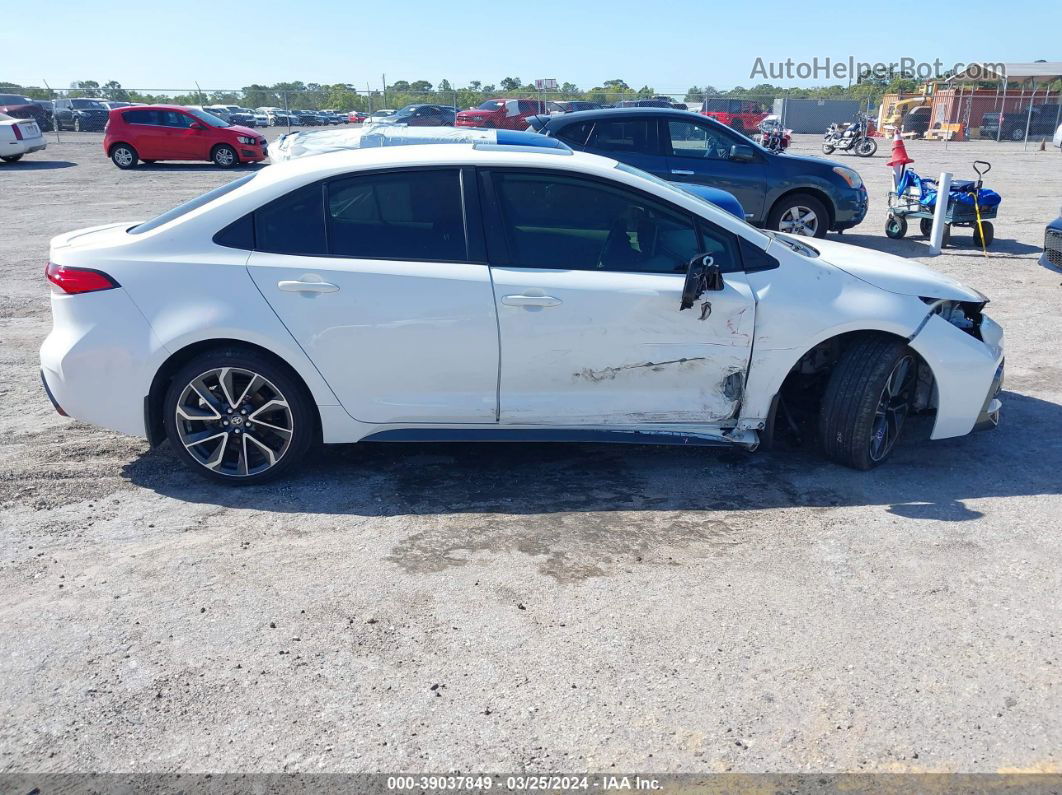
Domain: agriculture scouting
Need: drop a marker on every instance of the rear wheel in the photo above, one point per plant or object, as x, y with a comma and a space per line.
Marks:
1017, 134
867, 400
237, 417
11, 158
124, 155
925, 226
799, 214
224, 156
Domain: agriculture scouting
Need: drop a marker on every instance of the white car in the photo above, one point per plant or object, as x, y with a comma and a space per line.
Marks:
486, 292
19, 137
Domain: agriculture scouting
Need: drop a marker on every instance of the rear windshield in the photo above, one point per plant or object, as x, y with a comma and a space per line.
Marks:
188, 206
492, 104
87, 103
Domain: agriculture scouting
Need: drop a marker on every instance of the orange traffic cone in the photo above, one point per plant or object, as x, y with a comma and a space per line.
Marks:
899, 158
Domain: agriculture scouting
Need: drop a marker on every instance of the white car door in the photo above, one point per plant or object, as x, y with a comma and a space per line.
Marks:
372, 276
588, 278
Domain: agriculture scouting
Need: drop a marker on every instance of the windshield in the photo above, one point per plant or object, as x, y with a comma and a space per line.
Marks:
209, 118
492, 104
87, 103
14, 99
188, 206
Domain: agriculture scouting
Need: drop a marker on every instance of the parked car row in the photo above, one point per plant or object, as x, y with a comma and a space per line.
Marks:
18, 137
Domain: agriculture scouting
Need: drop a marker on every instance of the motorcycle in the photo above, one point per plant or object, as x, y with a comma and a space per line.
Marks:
774, 136
849, 138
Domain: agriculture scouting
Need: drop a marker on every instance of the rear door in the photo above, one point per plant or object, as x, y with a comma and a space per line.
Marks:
700, 152
375, 277
630, 139
146, 133
588, 276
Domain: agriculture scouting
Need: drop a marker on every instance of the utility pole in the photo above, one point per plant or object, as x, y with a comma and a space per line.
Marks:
383, 79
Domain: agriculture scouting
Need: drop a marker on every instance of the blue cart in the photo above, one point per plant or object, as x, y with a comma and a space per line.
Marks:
969, 204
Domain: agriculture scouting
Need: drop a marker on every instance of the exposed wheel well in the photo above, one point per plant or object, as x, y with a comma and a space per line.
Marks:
795, 408
153, 420
116, 144
814, 192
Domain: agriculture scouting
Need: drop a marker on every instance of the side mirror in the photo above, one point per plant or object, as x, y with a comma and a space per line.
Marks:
702, 275
740, 153
196, 126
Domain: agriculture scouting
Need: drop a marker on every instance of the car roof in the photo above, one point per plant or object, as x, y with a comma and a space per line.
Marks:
604, 113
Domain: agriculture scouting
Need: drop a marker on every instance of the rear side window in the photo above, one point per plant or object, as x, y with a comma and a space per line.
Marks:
411, 215
575, 134
141, 117
293, 224
622, 136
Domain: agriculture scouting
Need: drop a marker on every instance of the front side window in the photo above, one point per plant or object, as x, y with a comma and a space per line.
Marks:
411, 215
693, 140
570, 223
632, 135
575, 134
171, 118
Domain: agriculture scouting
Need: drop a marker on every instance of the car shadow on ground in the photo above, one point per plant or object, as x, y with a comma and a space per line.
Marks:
35, 165
917, 246
923, 480
169, 166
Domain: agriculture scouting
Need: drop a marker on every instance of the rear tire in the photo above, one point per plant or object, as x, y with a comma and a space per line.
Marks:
124, 156
11, 158
867, 147
867, 399
224, 156
272, 409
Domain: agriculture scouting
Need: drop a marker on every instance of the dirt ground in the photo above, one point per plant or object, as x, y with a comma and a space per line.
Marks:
533, 607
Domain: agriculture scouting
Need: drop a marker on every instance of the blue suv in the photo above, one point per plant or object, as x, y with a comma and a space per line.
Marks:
789, 193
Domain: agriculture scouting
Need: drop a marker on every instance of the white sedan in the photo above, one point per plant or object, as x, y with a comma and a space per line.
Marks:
19, 137
486, 292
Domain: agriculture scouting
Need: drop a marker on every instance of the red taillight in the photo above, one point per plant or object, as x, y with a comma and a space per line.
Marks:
18, 132
78, 280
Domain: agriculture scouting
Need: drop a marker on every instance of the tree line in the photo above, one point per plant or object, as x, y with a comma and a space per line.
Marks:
348, 96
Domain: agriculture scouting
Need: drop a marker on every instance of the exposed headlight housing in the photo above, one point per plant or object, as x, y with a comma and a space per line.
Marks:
850, 176
965, 315
243, 139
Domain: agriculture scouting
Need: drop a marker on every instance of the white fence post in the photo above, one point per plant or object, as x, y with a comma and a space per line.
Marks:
936, 237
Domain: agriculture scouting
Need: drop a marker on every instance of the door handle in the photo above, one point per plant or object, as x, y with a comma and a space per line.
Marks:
307, 287
530, 300
682, 172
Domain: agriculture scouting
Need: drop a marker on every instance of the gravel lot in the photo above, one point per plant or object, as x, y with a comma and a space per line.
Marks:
533, 607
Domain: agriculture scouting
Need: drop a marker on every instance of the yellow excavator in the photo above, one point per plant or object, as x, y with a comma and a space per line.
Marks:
893, 121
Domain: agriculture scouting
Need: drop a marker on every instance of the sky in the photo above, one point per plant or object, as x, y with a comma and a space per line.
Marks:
666, 45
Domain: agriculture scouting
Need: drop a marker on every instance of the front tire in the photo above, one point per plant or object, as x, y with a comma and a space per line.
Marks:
989, 234
799, 214
827, 149
867, 400
237, 417
124, 156
895, 227
224, 156
77, 124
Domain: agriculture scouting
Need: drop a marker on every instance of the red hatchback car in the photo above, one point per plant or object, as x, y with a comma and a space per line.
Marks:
174, 132
501, 114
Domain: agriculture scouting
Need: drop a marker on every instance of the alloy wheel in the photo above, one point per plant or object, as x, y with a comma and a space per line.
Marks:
893, 407
798, 220
224, 156
234, 422
123, 156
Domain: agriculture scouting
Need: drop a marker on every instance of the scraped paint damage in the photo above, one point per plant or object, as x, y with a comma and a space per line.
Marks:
610, 373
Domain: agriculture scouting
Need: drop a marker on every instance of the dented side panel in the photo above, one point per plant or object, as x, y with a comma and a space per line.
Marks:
614, 349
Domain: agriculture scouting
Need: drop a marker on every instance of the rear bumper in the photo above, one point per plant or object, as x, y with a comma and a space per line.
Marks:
99, 372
